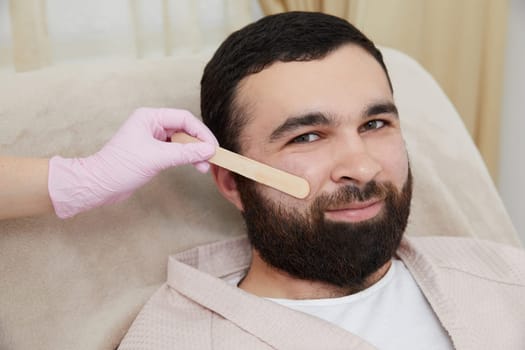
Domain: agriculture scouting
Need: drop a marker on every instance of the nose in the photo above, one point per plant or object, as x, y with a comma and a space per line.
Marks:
353, 163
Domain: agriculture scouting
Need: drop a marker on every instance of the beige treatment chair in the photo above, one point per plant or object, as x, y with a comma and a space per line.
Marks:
78, 283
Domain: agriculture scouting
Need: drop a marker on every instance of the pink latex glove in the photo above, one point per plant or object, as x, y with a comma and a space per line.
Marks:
135, 154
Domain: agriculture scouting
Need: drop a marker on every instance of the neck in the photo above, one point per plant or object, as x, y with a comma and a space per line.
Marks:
267, 281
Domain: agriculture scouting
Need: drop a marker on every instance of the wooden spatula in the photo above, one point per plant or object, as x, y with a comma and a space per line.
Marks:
285, 182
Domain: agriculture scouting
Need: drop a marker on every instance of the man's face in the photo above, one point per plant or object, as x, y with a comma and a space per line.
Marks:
332, 121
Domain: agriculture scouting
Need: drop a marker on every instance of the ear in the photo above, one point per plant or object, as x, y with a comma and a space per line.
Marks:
226, 185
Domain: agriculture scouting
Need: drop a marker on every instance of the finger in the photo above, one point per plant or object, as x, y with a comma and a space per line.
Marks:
177, 154
183, 120
202, 167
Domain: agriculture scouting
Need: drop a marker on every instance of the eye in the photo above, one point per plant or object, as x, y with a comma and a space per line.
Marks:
306, 138
373, 124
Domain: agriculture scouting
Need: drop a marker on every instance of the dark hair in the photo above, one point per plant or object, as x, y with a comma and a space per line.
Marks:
285, 37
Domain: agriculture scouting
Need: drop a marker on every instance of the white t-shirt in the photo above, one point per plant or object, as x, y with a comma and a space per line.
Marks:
391, 314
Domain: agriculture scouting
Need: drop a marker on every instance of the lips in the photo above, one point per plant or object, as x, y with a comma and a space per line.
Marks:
355, 211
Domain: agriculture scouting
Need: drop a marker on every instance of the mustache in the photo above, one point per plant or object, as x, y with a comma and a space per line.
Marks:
352, 193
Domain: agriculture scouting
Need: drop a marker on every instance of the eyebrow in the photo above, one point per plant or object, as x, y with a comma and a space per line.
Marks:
292, 123
383, 107
319, 118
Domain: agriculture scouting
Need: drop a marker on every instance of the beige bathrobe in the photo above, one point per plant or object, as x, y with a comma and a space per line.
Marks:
476, 288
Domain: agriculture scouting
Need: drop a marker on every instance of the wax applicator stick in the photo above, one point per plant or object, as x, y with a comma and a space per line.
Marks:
280, 180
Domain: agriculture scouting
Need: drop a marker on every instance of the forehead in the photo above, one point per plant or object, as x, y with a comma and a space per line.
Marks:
340, 84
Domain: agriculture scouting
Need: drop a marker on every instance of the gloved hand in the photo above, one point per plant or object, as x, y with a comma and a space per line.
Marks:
135, 154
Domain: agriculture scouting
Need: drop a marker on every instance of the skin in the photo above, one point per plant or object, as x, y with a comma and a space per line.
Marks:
332, 121
23, 187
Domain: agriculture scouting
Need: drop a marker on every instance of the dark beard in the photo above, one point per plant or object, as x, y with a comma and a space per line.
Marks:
312, 248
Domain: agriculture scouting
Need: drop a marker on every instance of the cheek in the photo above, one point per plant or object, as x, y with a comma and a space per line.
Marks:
314, 171
394, 162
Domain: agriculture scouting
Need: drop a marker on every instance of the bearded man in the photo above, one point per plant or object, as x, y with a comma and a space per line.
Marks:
310, 94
